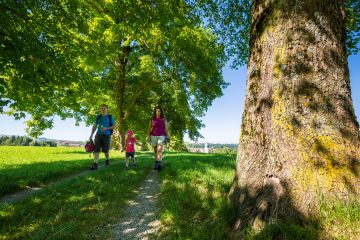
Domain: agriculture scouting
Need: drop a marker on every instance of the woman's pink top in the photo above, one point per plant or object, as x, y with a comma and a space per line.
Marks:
158, 126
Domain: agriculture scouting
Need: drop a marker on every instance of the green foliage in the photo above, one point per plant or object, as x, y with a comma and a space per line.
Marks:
34, 143
37, 72
177, 143
24, 141
67, 57
225, 150
130, 55
231, 20
212, 145
352, 13
80, 208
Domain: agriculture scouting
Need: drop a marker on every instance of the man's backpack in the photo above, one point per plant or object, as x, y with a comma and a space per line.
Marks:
110, 118
89, 146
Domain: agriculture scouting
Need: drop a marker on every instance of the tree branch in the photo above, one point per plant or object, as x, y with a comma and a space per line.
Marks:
144, 87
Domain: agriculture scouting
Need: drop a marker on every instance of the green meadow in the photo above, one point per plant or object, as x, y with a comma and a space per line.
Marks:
23, 167
77, 208
192, 198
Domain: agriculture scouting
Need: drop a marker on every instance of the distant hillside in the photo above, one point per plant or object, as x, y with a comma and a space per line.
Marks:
14, 140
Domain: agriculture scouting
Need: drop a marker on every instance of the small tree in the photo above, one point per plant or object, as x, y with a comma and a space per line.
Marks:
34, 143
25, 141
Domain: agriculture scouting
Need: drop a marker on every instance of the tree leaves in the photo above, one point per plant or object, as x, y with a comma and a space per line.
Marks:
66, 57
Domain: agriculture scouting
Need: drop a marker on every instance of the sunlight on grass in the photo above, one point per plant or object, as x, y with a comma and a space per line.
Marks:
93, 179
77, 198
22, 167
167, 217
77, 208
7, 211
29, 229
36, 200
193, 196
341, 220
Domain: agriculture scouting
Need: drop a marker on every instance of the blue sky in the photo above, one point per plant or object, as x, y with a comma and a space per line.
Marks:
222, 119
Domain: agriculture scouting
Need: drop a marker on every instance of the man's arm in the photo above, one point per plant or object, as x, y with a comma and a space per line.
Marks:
93, 130
112, 127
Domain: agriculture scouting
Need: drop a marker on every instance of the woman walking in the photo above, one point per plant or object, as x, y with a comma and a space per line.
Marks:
157, 135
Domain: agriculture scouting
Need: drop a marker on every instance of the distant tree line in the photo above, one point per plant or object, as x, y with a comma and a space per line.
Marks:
223, 149
24, 141
215, 147
211, 145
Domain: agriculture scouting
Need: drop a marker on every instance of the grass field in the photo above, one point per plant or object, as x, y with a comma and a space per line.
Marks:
192, 199
79, 208
193, 196
22, 167
194, 206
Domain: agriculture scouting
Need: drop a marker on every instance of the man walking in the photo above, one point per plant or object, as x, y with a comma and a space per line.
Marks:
104, 124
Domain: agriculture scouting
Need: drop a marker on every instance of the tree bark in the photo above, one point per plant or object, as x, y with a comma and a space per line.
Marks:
299, 139
120, 94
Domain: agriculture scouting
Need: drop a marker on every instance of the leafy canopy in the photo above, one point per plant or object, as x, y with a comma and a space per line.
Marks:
66, 57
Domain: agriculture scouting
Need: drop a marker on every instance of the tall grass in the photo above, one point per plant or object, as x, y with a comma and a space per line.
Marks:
193, 196
22, 167
194, 205
336, 220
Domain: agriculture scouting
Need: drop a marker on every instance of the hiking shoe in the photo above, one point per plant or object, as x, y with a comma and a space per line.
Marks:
94, 167
107, 163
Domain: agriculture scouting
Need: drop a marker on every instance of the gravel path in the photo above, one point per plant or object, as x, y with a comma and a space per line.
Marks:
140, 216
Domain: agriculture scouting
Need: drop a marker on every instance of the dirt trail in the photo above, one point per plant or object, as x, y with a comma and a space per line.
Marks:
140, 220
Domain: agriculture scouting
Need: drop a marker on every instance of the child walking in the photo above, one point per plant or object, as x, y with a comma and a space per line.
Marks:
130, 149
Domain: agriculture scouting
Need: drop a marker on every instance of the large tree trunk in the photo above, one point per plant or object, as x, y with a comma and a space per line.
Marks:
299, 136
120, 65
119, 97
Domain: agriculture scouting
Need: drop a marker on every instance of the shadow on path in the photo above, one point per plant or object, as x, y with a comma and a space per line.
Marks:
140, 217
